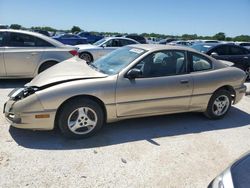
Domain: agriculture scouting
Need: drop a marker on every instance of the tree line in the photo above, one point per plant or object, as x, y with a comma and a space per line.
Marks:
219, 36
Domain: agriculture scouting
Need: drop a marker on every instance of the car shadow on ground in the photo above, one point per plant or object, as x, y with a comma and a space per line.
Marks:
13, 83
132, 130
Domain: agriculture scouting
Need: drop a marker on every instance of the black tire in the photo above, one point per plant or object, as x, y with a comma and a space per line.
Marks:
86, 56
46, 65
70, 107
211, 105
248, 73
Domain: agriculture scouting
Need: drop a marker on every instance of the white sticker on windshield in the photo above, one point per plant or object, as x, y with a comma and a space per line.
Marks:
135, 50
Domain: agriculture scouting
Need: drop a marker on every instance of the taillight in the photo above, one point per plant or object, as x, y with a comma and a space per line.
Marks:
73, 52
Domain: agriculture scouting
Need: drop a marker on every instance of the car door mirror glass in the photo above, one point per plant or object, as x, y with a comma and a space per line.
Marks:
214, 54
104, 45
134, 73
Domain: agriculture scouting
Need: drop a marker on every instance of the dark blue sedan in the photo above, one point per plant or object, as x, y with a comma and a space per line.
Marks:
91, 38
71, 39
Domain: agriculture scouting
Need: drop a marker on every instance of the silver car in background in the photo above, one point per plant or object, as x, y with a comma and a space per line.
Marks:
133, 81
237, 175
24, 54
92, 52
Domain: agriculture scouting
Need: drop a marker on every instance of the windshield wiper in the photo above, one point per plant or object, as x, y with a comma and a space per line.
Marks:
93, 66
96, 68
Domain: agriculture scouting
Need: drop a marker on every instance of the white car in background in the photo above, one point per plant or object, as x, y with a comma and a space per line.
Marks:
24, 54
244, 44
180, 42
92, 52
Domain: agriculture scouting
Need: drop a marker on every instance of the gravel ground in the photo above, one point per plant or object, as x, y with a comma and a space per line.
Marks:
184, 150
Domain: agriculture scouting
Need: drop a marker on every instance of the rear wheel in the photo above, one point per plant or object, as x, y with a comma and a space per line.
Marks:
248, 73
86, 56
80, 118
46, 65
219, 104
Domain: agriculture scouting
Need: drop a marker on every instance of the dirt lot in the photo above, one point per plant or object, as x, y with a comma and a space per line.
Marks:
184, 150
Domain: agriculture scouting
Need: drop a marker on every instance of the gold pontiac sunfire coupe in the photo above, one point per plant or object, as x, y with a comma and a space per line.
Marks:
133, 81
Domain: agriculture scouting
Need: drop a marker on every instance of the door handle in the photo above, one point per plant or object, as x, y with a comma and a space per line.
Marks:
245, 57
184, 81
34, 53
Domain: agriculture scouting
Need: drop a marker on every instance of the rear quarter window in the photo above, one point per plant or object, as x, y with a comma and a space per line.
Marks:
235, 50
43, 43
199, 62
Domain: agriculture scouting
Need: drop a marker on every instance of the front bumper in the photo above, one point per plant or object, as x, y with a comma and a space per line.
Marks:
28, 113
240, 93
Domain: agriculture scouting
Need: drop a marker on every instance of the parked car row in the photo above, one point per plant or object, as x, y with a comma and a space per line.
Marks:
39, 52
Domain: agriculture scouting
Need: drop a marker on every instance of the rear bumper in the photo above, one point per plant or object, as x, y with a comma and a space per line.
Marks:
28, 120
240, 93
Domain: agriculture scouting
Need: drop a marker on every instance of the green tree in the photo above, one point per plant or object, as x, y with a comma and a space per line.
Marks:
220, 36
243, 38
15, 26
75, 29
189, 36
46, 28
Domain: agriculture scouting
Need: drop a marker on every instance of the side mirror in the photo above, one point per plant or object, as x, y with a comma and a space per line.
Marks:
214, 54
133, 73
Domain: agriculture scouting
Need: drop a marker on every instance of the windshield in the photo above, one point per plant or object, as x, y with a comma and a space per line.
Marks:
99, 42
202, 47
115, 61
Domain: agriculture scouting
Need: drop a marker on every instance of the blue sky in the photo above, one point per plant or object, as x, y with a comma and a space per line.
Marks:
175, 17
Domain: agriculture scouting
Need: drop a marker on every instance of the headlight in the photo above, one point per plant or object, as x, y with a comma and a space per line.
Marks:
29, 91
221, 185
20, 93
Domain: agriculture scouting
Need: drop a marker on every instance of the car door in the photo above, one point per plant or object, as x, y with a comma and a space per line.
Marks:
109, 46
204, 80
221, 52
21, 55
240, 56
164, 86
2, 48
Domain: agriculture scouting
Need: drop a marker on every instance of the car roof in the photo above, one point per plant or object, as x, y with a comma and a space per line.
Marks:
35, 34
156, 47
222, 44
121, 38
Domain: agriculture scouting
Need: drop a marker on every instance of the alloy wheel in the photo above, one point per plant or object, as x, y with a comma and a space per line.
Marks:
82, 120
220, 105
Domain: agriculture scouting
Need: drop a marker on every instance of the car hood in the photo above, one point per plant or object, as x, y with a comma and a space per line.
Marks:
69, 70
86, 46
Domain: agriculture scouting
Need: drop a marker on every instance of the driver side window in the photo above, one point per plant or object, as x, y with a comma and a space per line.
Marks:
113, 43
163, 63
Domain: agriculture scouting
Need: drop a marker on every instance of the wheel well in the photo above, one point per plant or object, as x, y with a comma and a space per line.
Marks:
228, 88
46, 62
85, 52
100, 102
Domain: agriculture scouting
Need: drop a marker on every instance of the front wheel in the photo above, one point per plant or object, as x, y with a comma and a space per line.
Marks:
80, 118
219, 105
46, 65
86, 56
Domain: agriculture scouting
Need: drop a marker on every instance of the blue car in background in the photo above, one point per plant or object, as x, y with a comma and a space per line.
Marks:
70, 39
91, 38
